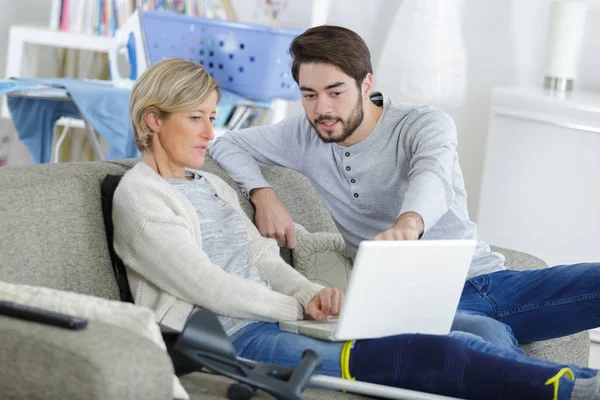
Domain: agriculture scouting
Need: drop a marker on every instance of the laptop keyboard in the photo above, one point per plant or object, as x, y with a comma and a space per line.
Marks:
329, 325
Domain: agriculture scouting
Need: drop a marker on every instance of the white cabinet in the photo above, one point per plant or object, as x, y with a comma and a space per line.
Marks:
541, 179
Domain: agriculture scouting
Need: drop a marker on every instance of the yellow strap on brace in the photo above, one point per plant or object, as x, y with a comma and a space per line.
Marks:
556, 378
345, 360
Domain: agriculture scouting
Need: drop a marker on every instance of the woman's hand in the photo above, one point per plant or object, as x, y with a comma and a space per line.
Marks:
327, 302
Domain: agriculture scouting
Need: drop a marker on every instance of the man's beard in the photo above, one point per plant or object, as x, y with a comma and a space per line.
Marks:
350, 125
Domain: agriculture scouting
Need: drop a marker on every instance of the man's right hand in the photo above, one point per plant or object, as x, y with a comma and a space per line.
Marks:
272, 217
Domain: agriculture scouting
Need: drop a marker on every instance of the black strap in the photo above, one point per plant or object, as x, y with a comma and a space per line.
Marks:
109, 185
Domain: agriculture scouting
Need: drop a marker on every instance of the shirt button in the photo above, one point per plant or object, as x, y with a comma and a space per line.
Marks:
355, 194
353, 180
347, 154
348, 168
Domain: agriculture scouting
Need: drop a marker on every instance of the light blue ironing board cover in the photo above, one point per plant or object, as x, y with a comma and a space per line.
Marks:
104, 106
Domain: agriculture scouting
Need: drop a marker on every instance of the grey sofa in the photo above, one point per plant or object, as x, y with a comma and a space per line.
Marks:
52, 234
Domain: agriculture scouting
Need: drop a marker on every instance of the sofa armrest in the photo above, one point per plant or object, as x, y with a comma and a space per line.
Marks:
102, 361
520, 261
572, 349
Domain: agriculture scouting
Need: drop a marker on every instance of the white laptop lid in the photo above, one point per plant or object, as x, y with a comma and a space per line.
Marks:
401, 287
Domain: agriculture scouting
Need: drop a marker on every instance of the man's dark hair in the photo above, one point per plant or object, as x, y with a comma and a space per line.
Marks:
334, 45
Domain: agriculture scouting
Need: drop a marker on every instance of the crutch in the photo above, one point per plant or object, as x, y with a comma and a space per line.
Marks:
203, 344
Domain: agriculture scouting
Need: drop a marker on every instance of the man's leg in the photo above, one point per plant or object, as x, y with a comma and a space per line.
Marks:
486, 328
538, 304
476, 343
431, 363
452, 366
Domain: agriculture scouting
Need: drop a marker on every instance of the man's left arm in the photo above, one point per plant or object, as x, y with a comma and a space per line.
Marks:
431, 147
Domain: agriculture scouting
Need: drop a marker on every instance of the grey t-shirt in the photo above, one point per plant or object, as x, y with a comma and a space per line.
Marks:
409, 162
224, 238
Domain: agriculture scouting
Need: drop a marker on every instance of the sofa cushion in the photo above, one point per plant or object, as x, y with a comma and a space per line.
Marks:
103, 361
321, 257
135, 319
52, 232
518, 260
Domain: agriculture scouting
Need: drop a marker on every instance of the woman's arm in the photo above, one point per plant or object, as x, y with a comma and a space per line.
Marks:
161, 247
264, 254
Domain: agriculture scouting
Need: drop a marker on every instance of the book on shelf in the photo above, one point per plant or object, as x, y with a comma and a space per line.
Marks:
104, 17
55, 16
243, 116
235, 112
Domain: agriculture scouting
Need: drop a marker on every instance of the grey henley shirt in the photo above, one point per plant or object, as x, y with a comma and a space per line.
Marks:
409, 162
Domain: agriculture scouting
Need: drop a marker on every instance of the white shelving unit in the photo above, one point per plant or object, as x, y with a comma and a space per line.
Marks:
23, 53
24, 56
23, 61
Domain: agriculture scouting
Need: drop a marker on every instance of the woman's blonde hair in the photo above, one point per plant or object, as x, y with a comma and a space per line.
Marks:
168, 86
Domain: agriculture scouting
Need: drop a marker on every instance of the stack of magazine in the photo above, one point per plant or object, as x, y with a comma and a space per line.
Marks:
235, 112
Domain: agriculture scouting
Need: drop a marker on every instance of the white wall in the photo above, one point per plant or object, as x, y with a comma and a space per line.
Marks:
490, 62
504, 39
371, 22
505, 44
25, 12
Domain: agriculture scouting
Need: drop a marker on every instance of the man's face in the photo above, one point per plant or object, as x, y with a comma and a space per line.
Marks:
332, 101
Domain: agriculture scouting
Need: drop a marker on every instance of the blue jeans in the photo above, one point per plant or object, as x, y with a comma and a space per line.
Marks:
264, 342
510, 307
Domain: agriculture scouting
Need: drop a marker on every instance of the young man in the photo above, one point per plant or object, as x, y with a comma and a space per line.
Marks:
390, 172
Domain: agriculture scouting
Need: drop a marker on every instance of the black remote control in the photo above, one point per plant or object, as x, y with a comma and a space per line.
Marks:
42, 316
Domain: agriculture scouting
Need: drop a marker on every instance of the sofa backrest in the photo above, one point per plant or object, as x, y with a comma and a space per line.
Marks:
51, 228
52, 232
293, 188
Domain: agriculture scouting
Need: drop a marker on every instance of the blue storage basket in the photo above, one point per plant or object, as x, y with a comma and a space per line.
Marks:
250, 60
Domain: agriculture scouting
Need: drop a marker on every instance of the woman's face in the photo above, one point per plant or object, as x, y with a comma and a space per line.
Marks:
184, 136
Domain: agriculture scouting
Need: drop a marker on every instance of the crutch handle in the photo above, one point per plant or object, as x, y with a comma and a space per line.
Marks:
309, 364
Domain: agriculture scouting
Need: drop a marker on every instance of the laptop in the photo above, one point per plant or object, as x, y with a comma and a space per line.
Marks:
397, 287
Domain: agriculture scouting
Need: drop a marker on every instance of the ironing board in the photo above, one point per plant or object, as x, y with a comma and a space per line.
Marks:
102, 106
61, 94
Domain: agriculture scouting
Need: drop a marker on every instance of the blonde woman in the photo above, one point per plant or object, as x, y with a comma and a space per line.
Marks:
186, 242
